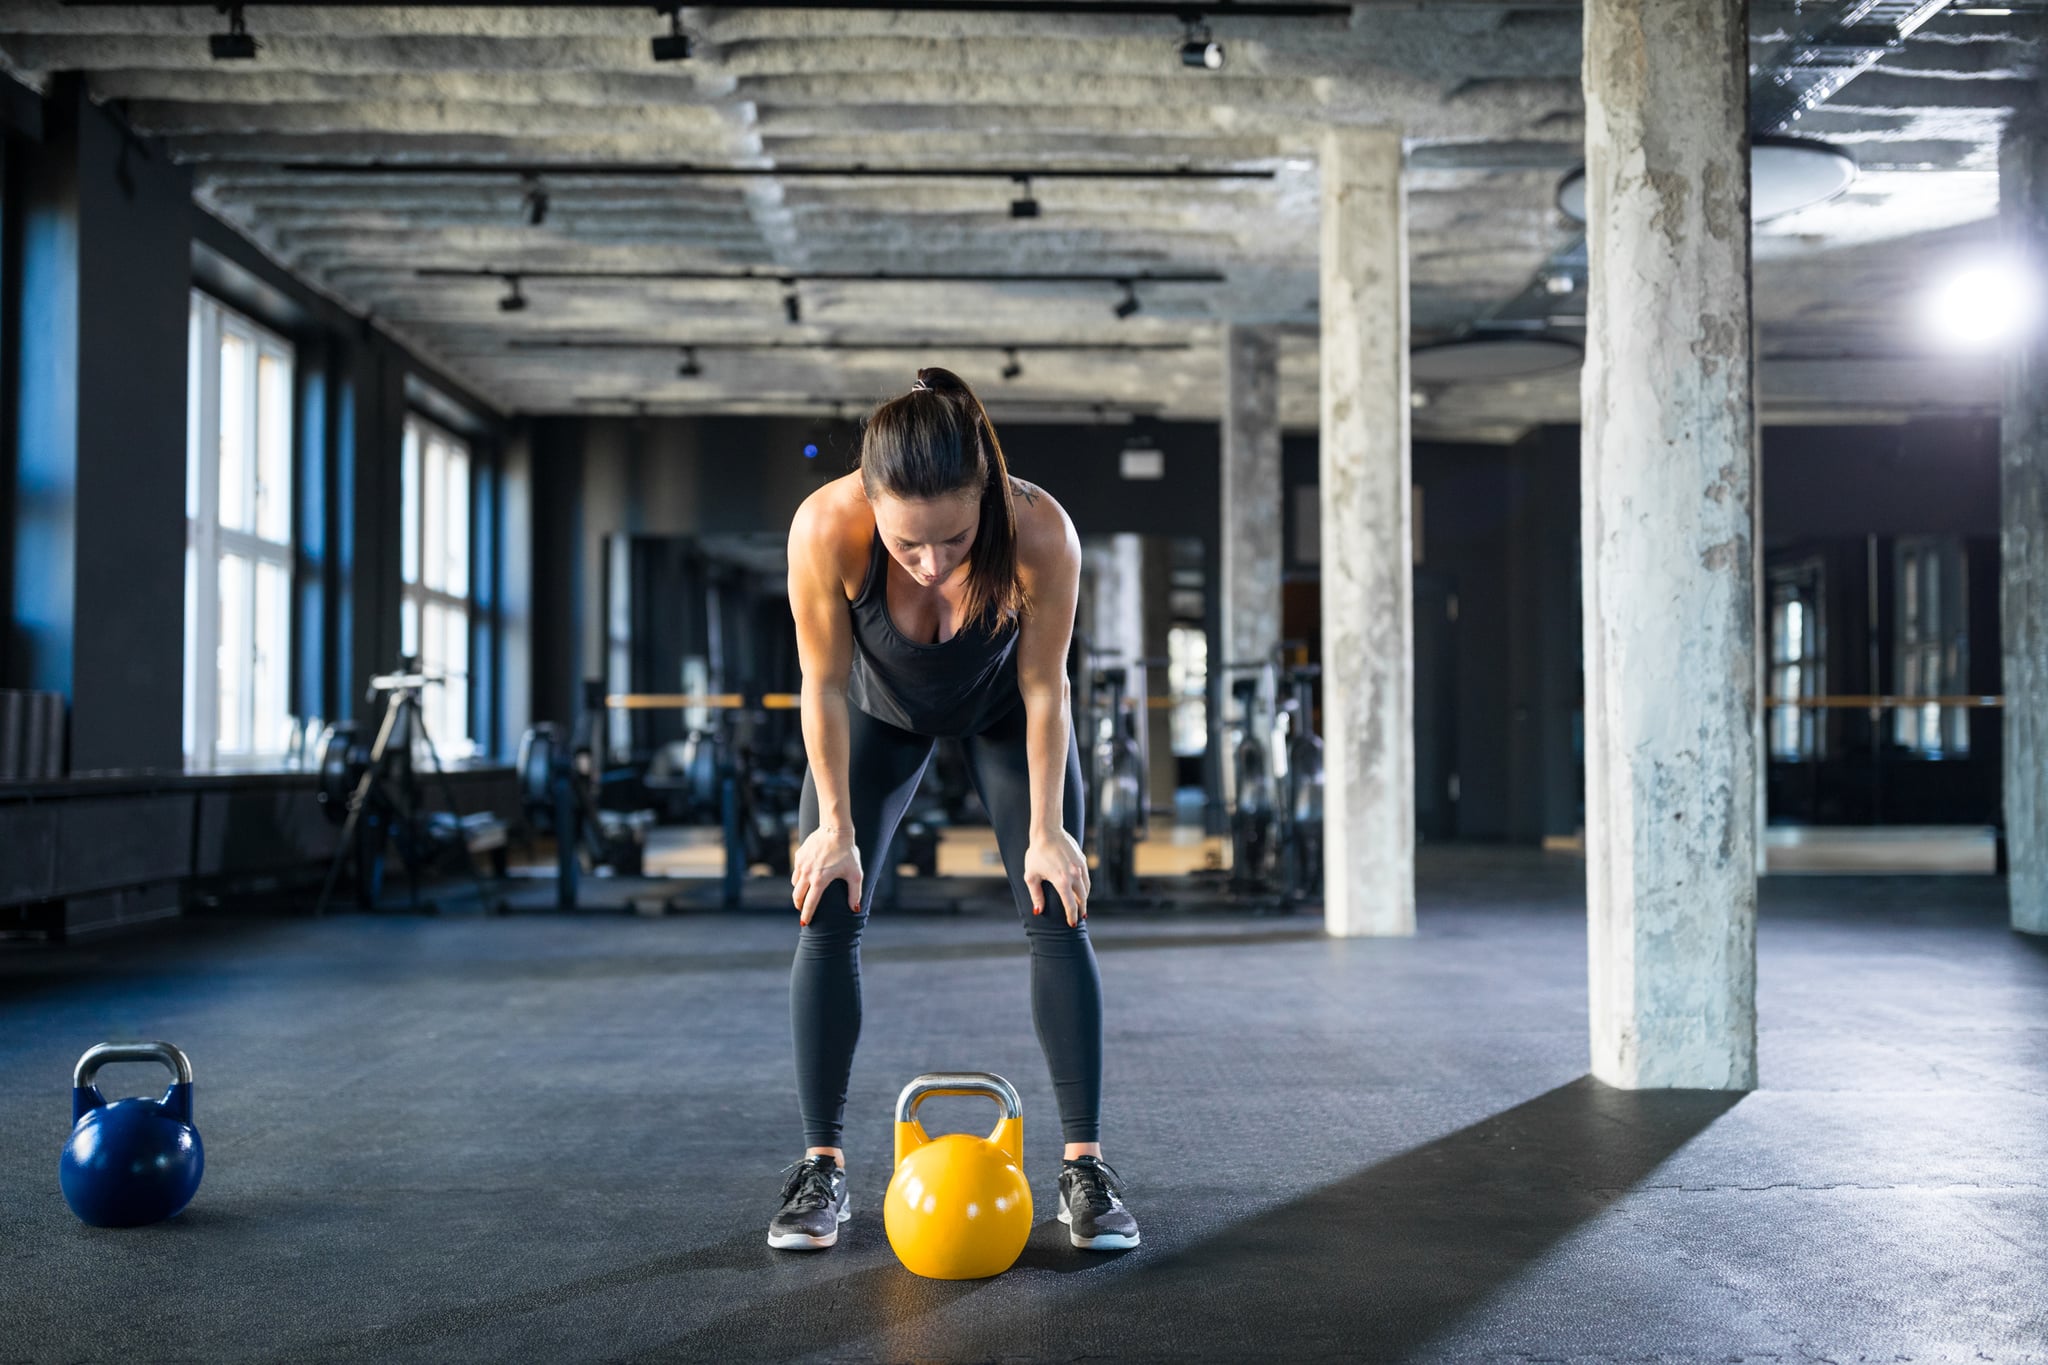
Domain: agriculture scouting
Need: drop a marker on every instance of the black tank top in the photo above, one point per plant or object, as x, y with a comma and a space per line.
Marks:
953, 688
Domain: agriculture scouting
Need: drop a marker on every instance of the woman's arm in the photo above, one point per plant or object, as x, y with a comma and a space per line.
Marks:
824, 646
1049, 562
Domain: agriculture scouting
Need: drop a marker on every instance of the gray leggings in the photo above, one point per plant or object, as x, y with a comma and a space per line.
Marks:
885, 764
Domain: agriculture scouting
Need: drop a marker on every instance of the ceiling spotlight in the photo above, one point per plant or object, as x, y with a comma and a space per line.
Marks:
689, 369
1985, 305
1013, 369
513, 302
793, 307
235, 44
536, 203
1025, 207
1559, 282
1128, 304
1197, 49
673, 46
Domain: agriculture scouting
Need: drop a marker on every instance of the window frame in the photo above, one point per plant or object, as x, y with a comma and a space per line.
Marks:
210, 322
1806, 584
416, 596
1931, 640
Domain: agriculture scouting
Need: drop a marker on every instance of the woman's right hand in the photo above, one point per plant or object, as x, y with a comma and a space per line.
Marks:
825, 857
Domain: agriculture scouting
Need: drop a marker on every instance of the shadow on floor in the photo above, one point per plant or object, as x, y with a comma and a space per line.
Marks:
1372, 1266
1377, 1264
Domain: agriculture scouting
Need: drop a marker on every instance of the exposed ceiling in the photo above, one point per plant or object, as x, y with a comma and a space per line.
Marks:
1488, 96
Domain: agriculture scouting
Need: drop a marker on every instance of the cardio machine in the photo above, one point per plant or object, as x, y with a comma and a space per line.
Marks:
1117, 784
1300, 749
1254, 816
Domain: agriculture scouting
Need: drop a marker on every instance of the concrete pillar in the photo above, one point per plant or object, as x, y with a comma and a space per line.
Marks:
1252, 493
1368, 602
1668, 480
2023, 538
1117, 615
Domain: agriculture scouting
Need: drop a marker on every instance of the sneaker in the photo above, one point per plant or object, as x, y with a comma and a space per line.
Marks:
1095, 1217
815, 1201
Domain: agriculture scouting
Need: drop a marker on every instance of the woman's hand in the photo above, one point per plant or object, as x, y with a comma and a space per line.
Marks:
827, 856
1055, 860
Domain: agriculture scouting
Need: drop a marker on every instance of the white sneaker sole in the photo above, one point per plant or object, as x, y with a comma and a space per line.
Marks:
803, 1241
1107, 1241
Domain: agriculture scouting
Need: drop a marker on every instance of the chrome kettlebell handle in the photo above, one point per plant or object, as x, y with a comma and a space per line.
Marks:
105, 1053
958, 1083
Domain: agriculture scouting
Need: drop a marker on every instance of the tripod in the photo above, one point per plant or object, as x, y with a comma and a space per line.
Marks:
388, 792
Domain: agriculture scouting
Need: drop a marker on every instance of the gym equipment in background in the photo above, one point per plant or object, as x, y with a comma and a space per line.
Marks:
1300, 750
1117, 809
567, 790
561, 791
1252, 810
374, 794
135, 1160
958, 1206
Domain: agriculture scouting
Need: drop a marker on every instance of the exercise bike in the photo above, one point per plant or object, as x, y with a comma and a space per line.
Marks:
1117, 783
561, 783
1301, 788
1254, 813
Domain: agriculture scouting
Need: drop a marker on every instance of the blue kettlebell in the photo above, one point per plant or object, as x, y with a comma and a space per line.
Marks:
137, 1160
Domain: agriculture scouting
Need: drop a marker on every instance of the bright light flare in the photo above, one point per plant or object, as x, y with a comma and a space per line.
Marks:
1984, 305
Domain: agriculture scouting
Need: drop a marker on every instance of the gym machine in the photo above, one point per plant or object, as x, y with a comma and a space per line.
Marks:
373, 793
1276, 822
724, 777
1111, 719
1252, 812
1300, 751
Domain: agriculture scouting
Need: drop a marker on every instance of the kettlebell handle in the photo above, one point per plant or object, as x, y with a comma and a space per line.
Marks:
958, 1083
105, 1053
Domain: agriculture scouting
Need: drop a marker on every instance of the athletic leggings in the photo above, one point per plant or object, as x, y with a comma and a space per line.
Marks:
884, 767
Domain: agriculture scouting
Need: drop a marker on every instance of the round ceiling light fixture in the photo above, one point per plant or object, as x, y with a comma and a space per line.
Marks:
1481, 358
1786, 174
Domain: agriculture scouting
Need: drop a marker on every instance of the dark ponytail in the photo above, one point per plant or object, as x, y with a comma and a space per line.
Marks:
935, 442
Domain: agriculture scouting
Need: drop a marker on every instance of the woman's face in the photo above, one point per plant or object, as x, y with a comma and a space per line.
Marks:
929, 537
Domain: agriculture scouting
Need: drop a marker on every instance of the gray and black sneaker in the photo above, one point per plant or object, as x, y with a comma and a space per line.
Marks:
1095, 1217
815, 1201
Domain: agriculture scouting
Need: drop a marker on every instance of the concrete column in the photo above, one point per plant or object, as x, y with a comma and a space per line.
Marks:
1668, 480
2023, 539
1116, 619
1368, 601
1252, 493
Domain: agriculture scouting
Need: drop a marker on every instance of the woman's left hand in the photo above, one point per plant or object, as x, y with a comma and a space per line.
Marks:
1055, 860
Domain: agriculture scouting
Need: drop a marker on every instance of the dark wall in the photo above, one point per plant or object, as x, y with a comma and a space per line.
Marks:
1844, 497
98, 579
1496, 629
1499, 535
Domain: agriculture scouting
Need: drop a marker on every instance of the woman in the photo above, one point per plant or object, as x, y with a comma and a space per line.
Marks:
934, 597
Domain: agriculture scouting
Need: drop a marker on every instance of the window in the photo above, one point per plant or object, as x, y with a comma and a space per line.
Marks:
1187, 682
238, 538
435, 601
1797, 651
1931, 645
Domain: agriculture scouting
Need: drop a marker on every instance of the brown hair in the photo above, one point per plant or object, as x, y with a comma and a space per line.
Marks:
935, 442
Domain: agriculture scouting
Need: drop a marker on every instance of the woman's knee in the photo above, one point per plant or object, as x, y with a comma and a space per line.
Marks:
833, 928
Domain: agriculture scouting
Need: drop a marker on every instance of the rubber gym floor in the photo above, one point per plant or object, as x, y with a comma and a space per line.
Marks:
549, 1138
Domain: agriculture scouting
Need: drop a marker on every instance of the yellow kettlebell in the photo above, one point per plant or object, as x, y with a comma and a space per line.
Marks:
958, 1207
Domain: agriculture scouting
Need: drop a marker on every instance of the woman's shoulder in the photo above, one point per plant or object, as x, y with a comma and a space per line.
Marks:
1045, 534
835, 526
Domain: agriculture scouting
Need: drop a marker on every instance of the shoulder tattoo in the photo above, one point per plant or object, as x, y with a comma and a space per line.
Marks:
1028, 492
